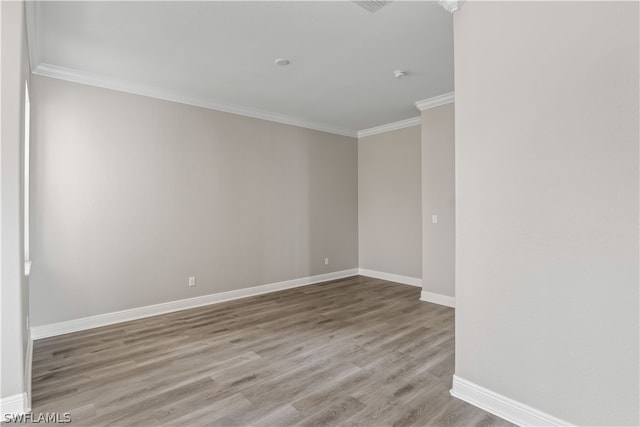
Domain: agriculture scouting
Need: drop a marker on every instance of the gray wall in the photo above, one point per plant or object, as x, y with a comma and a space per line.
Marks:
547, 205
15, 288
131, 195
389, 220
438, 198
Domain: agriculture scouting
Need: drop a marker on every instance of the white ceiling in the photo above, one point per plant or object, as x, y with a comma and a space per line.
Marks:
221, 55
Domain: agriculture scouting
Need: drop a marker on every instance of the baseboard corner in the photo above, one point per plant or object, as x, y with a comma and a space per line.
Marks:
397, 278
440, 299
13, 405
502, 406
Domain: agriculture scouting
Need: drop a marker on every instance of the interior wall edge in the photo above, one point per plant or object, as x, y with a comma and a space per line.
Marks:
28, 369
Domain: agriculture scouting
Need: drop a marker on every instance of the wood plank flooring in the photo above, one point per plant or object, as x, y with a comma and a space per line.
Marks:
352, 352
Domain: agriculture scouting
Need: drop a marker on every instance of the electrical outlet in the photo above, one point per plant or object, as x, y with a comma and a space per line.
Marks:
192, 281
326, 261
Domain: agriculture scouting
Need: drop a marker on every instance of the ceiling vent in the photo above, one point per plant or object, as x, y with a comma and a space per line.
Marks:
371, 5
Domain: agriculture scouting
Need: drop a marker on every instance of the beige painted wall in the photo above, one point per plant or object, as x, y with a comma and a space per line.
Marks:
438, 198
547, 131
132, 195
14, 295
389, 220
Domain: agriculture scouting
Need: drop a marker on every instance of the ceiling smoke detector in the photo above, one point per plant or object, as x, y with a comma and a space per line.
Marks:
282, 61
371, 5
398, 74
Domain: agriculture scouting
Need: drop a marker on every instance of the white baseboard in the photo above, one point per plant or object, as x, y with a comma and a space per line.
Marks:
438, 299
28, 365
509, 409
413, 281
406, 280
106, 319
13, 405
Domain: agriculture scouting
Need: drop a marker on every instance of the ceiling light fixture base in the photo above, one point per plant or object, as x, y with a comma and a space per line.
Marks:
451, 5
399, 74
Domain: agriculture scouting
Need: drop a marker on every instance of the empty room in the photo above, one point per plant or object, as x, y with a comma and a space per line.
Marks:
358, 213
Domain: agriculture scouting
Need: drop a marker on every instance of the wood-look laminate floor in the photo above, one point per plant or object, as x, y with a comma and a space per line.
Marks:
353, 352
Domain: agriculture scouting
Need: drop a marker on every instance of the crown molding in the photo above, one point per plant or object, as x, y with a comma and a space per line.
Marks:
390, 126
32, 33
436, 101
91, 79
451, 6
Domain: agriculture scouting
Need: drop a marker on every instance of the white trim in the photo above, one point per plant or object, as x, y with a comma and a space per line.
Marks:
92, 79
509, 409
28, 364
12, 405
390, 126
26, 175
435, 101
438, 299
99, 320
406, 280
32, 33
